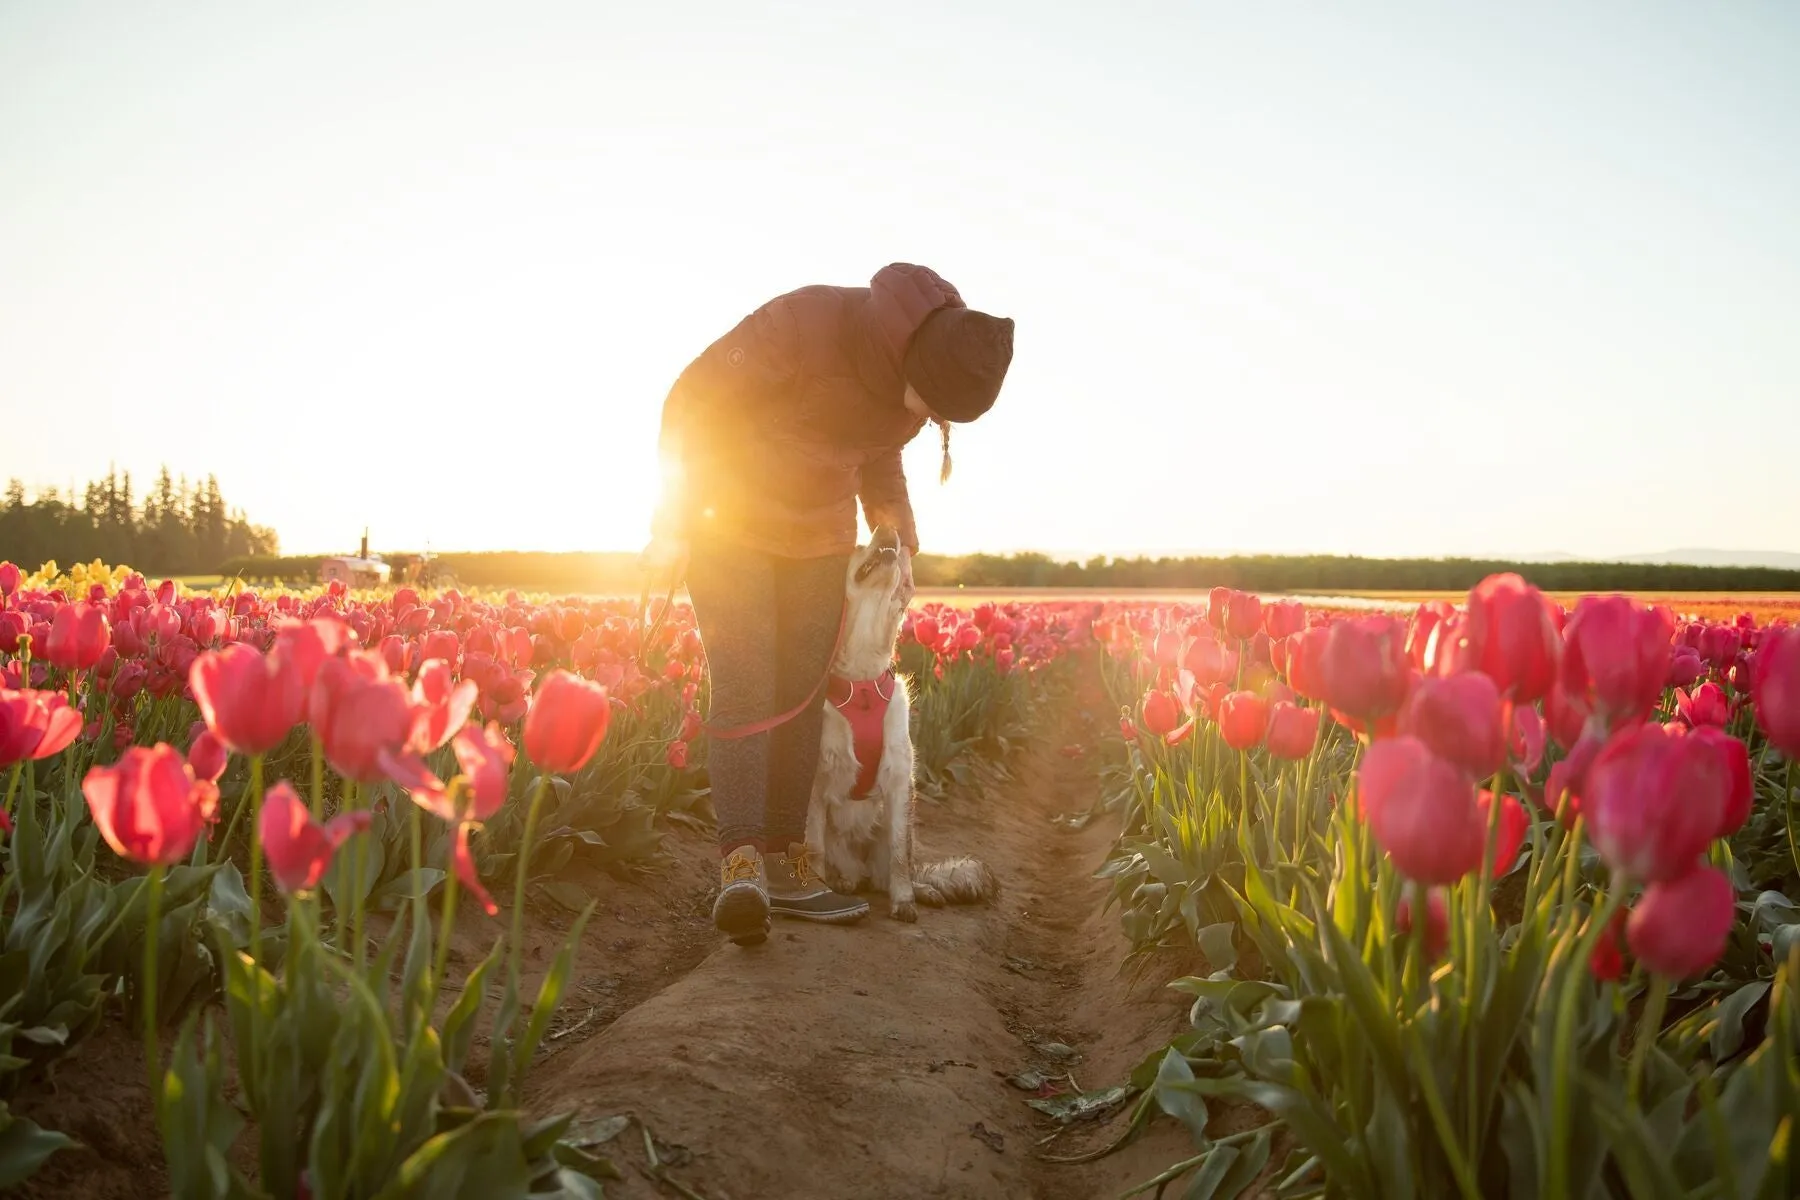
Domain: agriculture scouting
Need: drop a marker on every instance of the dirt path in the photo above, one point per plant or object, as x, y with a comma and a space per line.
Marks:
828, 1064
871, 1061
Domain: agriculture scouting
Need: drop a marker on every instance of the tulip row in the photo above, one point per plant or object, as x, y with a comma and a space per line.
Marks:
1464, 847
146, 722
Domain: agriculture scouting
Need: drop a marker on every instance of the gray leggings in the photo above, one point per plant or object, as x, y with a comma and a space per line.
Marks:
769, 625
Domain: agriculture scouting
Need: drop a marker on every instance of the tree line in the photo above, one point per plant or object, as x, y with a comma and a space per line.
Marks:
617, 574
178, 527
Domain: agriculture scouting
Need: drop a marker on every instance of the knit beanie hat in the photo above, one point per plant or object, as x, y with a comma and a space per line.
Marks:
958, 360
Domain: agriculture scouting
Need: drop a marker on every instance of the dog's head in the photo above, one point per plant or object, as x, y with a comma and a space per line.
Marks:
872, 592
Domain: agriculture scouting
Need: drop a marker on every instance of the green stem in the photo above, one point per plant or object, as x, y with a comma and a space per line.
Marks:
152, 918
1440, 1117
523, 867
1562, 1049
421, 922
12, 785
318, 778
359, 867
444, 930
1648, 1029
1787, 808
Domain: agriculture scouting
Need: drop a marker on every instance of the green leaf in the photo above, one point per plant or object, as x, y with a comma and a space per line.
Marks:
482, 1158
594, 1166
1728, 1021
401, 889
24, 1147
1185, 1106
459, 1025
549, 996
1217, 945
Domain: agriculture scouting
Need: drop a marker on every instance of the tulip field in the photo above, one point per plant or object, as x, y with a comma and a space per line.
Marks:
1493, 898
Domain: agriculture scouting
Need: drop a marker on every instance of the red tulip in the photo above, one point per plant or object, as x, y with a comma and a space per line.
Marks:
1680, 926
13, 626
1706, 706
307, 644
1459, 718
248, 699
1422, 633
1306, 659
79, 635
358, 711
484, 756
1162, 713
1615, 658
677, 756
1735, 759
206, 754
149, 806
1292, 730
9, 579
1243, 614
441, 705
567, 722
1511, 637
1217, 602
466, 874
1685, 667
1421, 810
1211, 661
1607, 963
299, 850
35, 725
1243, 719
1282, 618
1364, 666
1566, 716
1527, 743
1510, 837
1437, 919
1653, 800
1775, 686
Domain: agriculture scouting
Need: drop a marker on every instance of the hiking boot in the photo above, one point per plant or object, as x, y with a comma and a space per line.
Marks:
795, 891
741, 912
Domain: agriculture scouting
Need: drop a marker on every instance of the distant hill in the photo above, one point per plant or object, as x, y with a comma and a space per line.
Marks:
1780, 560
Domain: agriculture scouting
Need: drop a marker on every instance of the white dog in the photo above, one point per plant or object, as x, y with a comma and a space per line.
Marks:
859, 825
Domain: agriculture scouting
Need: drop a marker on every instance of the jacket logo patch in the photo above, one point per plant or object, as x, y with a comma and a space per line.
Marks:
735, 356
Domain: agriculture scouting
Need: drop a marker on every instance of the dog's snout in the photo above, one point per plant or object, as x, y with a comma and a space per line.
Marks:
886, 539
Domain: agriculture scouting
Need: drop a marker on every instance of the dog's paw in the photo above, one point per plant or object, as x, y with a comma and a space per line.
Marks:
905, 910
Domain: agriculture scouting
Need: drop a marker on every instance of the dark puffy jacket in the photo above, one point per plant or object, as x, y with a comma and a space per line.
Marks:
772, 435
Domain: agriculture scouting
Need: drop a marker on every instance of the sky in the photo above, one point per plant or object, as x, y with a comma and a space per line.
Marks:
1385, 278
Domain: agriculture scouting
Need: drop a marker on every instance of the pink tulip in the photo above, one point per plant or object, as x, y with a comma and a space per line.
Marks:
1510, 837
1292, 730
358, 711
484, 756
1705, 706
1653, 800
1437, 919
464, 863
1421, 810
149, 806
1459, 718
250, 700
1162, 712
35, 725
441, 705
1364, 666
567, 722
1616, 657
79, 635
1775, 686
299, 850
1511, 637
1243, 719
206, 754
1680, 926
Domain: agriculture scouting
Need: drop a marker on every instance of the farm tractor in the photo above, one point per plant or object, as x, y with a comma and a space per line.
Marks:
369, 570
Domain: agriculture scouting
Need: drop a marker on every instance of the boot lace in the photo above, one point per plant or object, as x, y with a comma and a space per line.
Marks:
738, 867
803, 868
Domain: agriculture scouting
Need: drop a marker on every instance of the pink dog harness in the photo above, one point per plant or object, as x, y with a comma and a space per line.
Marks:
864, 703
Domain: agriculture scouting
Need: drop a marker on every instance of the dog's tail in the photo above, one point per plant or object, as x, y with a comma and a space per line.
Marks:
955, 881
